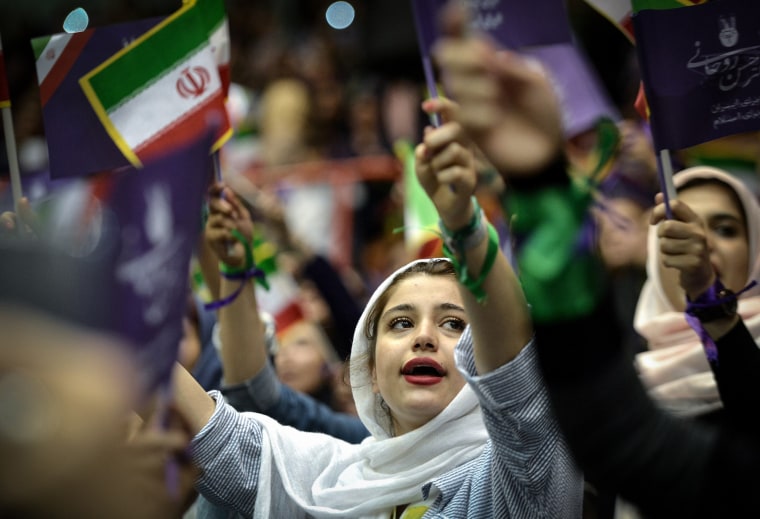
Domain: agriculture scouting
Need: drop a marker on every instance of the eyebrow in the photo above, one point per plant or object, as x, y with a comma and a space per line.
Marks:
405, 307
724, 216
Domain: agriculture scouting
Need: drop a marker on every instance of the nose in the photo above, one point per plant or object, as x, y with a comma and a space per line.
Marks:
426, 338
710, 241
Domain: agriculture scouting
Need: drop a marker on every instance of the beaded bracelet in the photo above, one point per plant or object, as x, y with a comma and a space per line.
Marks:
455, 245
243, 274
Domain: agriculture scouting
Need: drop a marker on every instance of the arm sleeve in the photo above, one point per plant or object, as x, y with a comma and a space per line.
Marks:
737, 376
530, 457
228, 453
265, 394
615, 431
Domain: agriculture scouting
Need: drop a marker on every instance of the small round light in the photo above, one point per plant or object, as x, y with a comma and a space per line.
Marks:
76, 21
340, 15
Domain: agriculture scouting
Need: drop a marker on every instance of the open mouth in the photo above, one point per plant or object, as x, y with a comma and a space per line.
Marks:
423, 371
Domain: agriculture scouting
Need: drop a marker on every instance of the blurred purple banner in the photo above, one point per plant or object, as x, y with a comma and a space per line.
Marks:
157, 211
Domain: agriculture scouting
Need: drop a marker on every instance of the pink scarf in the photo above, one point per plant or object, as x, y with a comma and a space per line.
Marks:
675, 370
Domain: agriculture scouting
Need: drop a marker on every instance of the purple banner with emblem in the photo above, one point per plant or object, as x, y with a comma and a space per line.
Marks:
701, 71
78, 143
584, 101
158, 213
513, 24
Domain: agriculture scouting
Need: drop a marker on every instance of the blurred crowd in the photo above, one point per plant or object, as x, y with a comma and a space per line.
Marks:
316, 171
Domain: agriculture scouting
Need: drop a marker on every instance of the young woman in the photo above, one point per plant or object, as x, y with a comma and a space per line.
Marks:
714, 235
445, 379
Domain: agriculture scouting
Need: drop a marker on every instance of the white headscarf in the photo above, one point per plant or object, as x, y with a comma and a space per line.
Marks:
328, 477
675, 369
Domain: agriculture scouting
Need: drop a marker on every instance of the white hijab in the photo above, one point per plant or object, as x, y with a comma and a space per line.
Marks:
327, 477
675, 369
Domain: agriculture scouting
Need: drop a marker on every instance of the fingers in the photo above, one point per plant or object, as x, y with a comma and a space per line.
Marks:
8, 221
679, 210
447, 108
442, 158
437, 139
27, 215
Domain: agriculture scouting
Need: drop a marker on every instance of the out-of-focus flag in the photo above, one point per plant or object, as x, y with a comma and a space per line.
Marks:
158, 210
700, 68
71, 126
161, 90
146, 223
616, 11
512, 24
583, 99
619, 12
422, 236
213, 15
5, 95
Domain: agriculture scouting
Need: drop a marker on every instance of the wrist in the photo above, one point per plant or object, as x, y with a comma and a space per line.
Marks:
717, 302
465, 234
458, 223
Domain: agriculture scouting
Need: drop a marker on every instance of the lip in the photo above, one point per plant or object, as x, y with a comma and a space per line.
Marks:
422, 379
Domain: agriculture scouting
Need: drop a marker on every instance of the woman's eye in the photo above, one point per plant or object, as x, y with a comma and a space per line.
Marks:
726, 231
455, 324
401, 322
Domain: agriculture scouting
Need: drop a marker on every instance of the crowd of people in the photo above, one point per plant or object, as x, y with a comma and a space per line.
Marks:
577, 346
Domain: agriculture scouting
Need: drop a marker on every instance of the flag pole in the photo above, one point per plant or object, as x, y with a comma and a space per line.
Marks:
666, 180
10, 146
427, 62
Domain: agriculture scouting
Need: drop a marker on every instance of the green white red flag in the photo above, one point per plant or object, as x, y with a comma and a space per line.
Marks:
619, 12
162, 90
214, 18
422, 236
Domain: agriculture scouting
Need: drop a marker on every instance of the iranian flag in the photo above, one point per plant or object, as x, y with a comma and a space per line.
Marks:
421, 231
5, 95
619, 12
214, 18
162, 90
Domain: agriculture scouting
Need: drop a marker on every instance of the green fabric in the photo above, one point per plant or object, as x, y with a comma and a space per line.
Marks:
560, 280
639, 5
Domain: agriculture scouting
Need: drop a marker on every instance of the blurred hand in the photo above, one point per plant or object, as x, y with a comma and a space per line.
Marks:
507, 105
636, 157
227, 213
10, 221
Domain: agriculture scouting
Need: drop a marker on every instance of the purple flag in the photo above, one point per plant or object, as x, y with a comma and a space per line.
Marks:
700, 69
513, 24
584, 100
78, 144
158, 210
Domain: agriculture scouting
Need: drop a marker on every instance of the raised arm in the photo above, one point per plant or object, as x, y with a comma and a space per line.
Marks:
507, 105
668, 467
445, 167
243, 352
684, 245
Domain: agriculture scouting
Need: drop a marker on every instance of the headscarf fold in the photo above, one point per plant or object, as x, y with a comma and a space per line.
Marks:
675, 369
